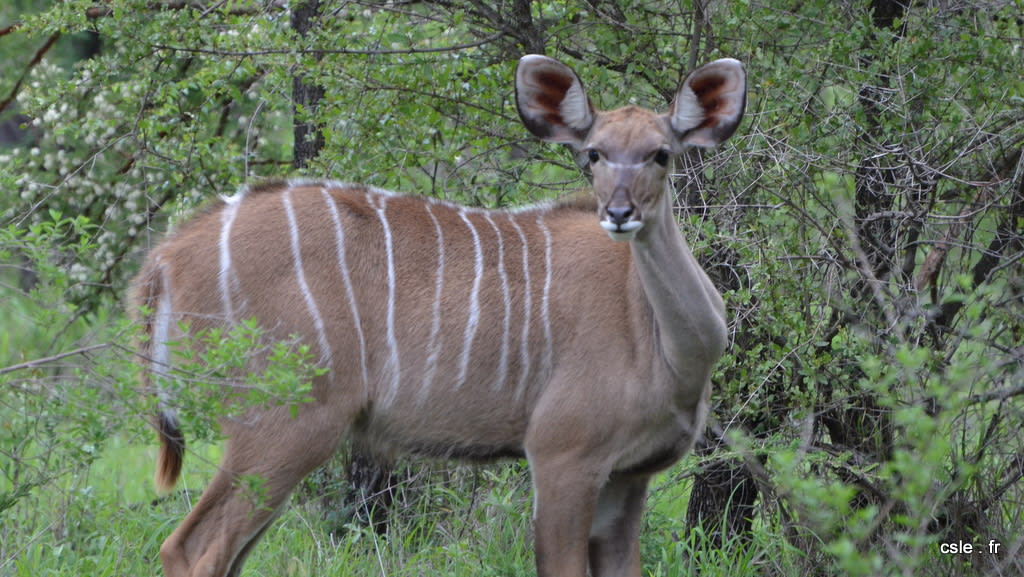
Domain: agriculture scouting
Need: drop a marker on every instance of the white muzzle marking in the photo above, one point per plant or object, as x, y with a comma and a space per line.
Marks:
625, 231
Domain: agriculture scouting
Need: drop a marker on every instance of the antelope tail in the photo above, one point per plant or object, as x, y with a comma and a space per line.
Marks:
152, 294
172, 452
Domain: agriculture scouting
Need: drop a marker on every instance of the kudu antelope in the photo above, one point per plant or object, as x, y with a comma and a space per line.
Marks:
465, 333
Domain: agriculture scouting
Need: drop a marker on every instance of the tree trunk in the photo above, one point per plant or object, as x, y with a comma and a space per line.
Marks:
371, 483
722, 504
306, 95
372, 490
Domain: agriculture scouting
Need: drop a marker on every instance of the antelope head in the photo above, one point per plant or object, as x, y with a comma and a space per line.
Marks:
629, 149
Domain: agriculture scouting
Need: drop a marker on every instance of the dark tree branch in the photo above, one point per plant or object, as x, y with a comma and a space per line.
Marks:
1009, 236
36, 59
319, 52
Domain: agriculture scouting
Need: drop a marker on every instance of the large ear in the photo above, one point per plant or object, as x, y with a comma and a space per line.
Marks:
709, 105
551, 100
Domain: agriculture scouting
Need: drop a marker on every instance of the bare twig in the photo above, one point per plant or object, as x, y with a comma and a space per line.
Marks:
324, 51
46, 360
998, 395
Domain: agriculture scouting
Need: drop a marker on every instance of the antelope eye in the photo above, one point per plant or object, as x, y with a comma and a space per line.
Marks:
661, 157
593, 155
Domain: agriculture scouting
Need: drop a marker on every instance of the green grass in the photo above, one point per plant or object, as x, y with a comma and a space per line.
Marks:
98, 520
106, 520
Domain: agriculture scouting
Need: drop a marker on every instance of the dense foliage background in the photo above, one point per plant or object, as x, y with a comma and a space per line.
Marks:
866, 226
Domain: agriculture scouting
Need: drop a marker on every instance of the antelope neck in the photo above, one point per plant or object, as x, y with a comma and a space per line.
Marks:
688, 311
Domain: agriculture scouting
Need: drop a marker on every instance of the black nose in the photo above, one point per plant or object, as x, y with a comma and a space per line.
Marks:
619, 215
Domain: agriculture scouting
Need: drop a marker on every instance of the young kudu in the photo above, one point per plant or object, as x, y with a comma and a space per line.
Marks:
465, 333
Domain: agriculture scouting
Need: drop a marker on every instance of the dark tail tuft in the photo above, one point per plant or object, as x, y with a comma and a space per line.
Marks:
172, 452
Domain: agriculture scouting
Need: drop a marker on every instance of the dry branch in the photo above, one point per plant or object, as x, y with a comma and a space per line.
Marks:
35, 363
36, 59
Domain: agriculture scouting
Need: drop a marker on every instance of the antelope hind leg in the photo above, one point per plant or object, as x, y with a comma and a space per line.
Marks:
265, 458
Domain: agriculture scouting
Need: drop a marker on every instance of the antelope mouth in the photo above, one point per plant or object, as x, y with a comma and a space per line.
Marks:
621, 232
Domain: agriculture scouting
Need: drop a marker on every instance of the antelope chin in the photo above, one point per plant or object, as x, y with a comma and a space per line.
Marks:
622, 232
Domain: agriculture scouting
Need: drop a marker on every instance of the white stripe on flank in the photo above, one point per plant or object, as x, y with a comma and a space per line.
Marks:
339, 243
300, 276
474, 303
434, 344
382, 191
393, 363
225, 278
499, 381
299, 182
524, 345
545, 314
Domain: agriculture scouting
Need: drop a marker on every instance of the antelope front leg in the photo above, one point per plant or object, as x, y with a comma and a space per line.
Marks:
615, 533
564, 501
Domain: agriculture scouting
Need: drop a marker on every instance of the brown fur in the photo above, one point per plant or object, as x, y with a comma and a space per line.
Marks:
172, 453
589, 357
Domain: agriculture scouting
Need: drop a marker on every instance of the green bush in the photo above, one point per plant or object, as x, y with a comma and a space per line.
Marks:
865, 226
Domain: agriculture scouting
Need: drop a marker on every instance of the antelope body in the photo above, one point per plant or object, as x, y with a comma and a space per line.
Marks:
466, 333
